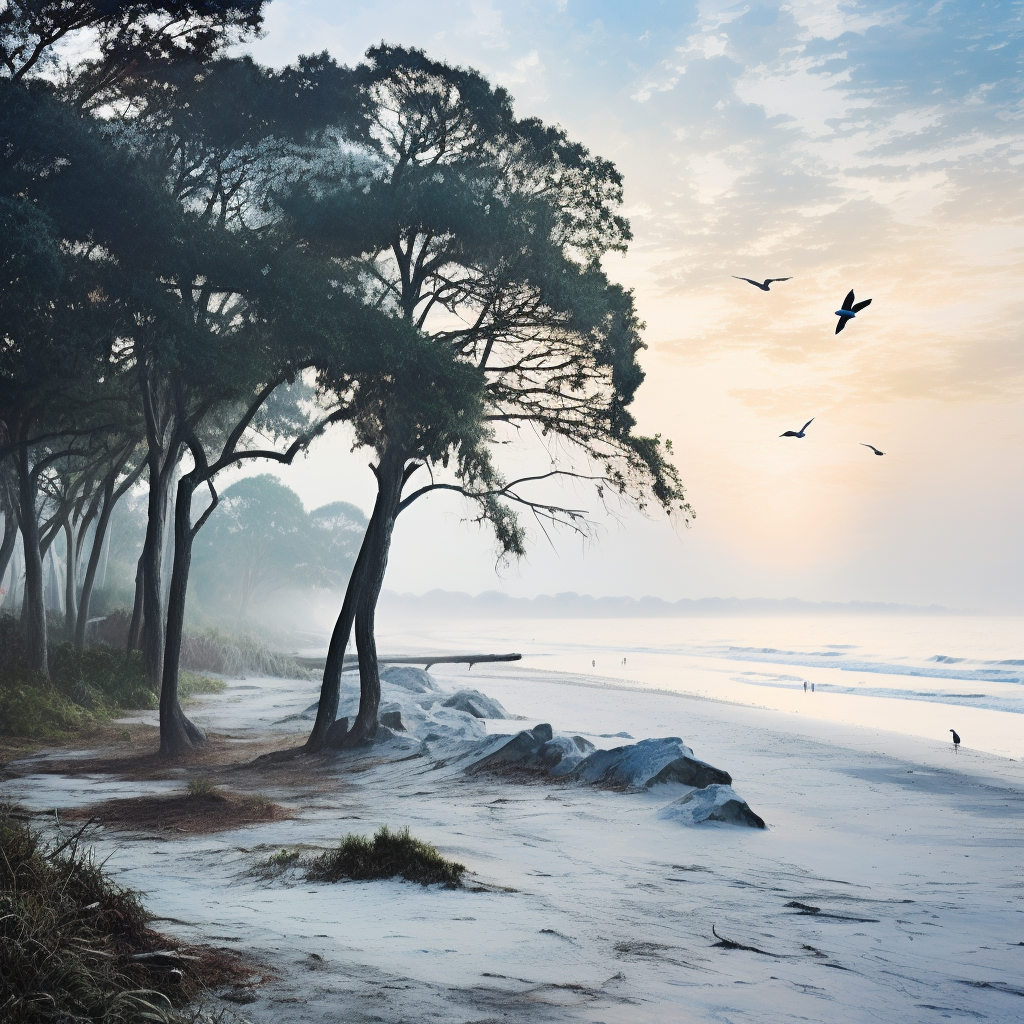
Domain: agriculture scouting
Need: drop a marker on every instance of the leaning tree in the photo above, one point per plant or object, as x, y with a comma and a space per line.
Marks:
485, 233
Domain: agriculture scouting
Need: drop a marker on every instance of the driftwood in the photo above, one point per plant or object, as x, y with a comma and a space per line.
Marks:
426, 660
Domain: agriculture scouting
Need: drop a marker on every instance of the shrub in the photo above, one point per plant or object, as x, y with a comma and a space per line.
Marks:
191, 683
386, 855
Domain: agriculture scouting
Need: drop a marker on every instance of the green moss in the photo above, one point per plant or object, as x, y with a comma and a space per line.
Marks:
387, 855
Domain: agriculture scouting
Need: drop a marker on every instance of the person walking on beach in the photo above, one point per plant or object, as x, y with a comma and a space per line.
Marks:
956, 741
805, 686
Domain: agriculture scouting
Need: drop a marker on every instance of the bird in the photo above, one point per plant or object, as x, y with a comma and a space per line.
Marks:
872, 447
800, 432
956, 740
849, 310
767, 281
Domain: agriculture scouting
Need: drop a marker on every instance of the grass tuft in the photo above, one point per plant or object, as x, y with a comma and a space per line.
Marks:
386, 855
201, 787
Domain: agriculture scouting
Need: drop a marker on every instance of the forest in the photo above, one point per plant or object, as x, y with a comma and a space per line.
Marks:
207, 264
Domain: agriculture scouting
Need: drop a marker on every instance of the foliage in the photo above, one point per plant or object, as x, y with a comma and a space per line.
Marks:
386, 855
83, 691
236, 654
260, 539
67, 936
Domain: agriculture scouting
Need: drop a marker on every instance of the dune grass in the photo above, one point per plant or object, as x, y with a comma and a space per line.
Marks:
69, 936
84, 690
386, 855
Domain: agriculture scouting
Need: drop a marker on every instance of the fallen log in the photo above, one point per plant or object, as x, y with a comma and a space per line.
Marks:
425, 660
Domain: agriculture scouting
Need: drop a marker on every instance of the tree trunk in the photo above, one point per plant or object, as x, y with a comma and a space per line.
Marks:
330, 688
177, 733
101, 550
33, 617
98, 540
390, 478
7, 552
70, 581
135, 628
152, 574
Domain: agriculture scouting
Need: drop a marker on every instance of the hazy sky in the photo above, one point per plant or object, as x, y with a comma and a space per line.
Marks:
877, 146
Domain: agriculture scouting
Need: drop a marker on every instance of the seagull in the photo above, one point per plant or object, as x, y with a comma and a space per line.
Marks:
849, 310
767, 281
800, 432
872, 447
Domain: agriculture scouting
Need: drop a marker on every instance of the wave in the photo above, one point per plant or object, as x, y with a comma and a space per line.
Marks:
989, 702
964, 672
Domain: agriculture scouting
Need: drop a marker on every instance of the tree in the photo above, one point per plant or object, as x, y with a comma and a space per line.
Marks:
125, 34
261, 539
484, 233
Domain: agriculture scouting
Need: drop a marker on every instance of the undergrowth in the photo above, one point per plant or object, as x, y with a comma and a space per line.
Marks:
68, 936
213, 650
83, 692
386, 855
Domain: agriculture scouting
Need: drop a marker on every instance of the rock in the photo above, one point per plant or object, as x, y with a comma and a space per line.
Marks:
408, 677
392, 719
446, 731
633, 767
713, 803
336, 733
691, 772
562, 753
477, 704
522, 751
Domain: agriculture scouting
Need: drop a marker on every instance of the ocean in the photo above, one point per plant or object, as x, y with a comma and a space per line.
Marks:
920, 675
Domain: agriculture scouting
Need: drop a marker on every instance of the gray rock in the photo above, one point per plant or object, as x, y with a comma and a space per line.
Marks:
713, 803
408, 677
336, 734
392, 719
477, 704
562, 753
636, 766
521, 752
691, 772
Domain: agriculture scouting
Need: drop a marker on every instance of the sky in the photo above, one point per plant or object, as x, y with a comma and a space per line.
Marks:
873, 146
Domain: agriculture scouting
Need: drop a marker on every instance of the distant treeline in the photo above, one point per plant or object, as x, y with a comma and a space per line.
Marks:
493, 604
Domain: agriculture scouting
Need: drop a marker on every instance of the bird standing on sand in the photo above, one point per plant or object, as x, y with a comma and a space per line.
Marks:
872, 447
800, 432
956, 741
850, 309
763, 285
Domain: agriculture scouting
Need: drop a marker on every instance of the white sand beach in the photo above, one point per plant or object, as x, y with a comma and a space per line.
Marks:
583, 904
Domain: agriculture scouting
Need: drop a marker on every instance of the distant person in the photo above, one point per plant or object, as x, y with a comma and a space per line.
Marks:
593, 664
805, 686
812, 687
956, 741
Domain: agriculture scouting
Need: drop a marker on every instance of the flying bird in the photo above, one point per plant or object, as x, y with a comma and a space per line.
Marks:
872, 447
800, 432
767, 281
849, 310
